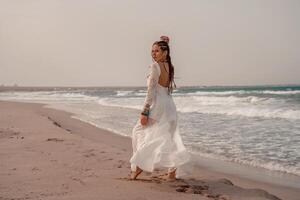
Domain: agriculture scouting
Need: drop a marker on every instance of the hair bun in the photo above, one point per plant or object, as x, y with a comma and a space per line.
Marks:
165, 38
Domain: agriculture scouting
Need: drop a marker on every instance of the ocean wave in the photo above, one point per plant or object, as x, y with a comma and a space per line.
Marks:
195, 102
123, 93
129, 103
269, 165
47, 96
239, 92
230, 100
250, 106
281, 92
143, 93
246, 112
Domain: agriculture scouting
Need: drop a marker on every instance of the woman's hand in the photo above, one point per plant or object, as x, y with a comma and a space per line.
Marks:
144, 120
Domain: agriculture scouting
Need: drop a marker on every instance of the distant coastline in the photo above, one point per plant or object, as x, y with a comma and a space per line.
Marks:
53, 88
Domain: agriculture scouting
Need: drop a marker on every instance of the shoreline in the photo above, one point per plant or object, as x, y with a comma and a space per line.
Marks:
229, 168
253, 173
69, 130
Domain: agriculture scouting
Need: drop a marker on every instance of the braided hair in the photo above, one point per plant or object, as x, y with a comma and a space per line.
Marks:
164, 46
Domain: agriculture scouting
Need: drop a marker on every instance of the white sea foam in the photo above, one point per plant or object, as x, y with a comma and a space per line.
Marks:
245, 111
47, 96
134, 103
281, 92
250, 106
273, 166
140, 93
230, 100
123, 93
239, 92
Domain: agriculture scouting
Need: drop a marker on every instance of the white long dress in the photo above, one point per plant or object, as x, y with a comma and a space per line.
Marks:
158, 145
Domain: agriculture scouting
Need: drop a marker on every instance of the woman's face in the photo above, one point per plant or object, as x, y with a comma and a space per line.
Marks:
157, 54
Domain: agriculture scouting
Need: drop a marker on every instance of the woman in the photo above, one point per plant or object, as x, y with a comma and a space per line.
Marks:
156, 141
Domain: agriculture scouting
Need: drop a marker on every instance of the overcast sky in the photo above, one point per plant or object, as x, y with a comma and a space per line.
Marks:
108, 42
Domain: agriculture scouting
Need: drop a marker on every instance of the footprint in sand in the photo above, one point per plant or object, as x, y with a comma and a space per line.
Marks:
53, 194
192, 186
120, 163
8, 133
65, 186
55, 140
89, 150
78, 180
89, 153
35, 169
145, 180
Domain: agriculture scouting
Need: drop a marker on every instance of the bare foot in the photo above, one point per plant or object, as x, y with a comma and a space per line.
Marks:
168, 176
135, 174
172, 175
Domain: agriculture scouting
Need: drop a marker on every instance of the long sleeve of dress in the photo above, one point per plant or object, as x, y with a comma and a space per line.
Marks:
152, 82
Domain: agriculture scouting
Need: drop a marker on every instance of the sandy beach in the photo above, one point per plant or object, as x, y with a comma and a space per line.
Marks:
46, 154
